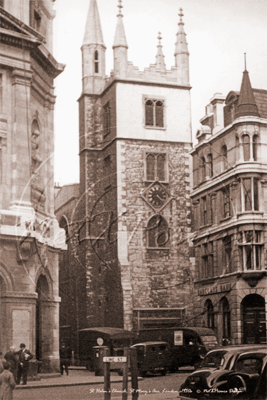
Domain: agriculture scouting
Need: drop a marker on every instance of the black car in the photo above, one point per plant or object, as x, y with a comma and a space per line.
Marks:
215, 365
247, 381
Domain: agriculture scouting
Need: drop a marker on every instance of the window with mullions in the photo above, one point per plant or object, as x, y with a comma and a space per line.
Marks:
250, 245
204, 211
157, 232
207, 260
156, 167
250, 147
106, 113
250, 194
154, 113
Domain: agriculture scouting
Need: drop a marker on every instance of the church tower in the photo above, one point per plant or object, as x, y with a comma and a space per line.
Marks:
135, 173
29, 232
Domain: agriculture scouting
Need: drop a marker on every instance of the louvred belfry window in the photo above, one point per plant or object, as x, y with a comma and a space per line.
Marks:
156, 167
154, 113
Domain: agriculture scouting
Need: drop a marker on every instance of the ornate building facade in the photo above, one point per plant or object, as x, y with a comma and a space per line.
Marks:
229, 209
128, 232
30, 238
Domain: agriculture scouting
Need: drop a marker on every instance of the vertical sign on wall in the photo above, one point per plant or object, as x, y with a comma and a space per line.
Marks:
21, 328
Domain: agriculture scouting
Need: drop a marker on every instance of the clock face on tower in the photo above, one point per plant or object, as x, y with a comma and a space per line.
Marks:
157, 196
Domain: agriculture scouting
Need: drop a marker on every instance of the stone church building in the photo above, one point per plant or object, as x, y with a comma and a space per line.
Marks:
129, 256
30, 238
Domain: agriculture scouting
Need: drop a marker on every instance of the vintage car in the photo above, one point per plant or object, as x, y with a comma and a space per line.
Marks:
216, 363
154, 357
247, 381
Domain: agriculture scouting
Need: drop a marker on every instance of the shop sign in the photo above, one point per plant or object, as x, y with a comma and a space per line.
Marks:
226, 287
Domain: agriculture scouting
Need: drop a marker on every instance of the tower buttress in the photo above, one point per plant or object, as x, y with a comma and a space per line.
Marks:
182, 54
120, 47
160, 63
93, 53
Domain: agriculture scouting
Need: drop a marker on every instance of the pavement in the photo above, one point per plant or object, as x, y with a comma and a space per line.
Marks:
80, 376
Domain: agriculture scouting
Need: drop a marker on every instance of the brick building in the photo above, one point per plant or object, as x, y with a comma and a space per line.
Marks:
128, 231
229, 213
30, 238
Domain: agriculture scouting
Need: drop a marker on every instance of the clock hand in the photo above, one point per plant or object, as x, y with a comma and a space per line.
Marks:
159, 197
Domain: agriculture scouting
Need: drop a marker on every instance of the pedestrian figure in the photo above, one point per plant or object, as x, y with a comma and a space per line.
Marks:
65, 356
12, 360
7, 383
24, 357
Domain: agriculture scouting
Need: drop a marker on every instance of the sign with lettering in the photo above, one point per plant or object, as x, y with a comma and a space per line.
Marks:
115, 359
226, 287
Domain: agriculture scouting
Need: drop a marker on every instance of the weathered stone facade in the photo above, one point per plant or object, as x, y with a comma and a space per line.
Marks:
29, 232
131, 229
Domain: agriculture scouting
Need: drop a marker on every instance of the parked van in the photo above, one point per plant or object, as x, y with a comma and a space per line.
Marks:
188, 345
153, 357
114, 338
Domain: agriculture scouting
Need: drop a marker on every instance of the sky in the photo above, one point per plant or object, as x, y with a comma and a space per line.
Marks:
219, 32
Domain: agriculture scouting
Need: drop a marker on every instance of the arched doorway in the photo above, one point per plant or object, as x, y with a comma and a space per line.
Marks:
42, 290
254, 324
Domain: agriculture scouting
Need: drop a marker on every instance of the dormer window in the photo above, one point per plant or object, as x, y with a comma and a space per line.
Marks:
96, 62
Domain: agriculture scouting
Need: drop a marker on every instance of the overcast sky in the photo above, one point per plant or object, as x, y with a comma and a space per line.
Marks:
219, 32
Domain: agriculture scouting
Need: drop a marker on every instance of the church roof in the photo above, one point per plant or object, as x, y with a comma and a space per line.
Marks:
93, 31
246, 105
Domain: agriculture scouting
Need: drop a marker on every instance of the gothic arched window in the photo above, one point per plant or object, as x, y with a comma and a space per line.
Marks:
156, 167
157, 232
154, 113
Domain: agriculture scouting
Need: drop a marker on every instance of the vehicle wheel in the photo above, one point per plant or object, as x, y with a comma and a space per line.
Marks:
90, 366
237, 382
197, 363
163, 372
174, 368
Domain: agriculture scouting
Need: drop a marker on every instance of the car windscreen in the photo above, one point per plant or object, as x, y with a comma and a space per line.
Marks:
209, 341
214, 359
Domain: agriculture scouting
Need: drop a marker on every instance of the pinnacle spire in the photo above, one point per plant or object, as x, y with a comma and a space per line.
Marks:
181, 44
120, 37
246, 105
160, 64
93, 31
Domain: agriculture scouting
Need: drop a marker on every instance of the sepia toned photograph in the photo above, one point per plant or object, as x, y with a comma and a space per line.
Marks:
133, 199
